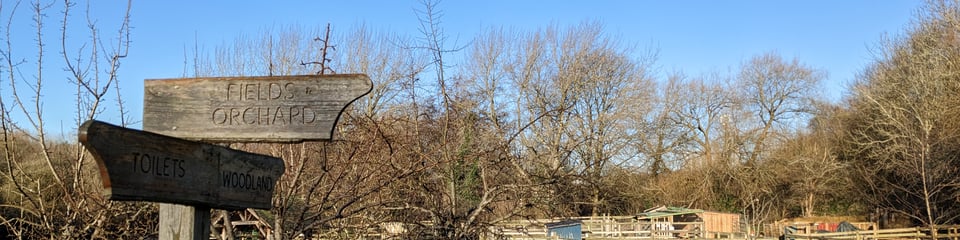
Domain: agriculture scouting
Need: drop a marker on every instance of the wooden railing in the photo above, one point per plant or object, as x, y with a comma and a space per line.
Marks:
630, 228
940, 232
946, 232
898, 233
609, 228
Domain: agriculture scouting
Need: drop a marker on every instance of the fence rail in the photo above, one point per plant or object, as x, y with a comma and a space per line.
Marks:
631, 228
621, 227
937, 232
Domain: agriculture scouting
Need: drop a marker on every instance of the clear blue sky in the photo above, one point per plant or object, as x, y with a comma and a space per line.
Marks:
691, 36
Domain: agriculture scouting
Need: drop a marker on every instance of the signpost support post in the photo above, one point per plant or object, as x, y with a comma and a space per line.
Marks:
184, 222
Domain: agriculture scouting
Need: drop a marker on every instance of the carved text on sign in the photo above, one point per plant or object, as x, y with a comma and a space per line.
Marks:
250, 109
143, 166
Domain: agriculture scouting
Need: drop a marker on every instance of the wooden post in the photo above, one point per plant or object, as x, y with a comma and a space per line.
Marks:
181, 222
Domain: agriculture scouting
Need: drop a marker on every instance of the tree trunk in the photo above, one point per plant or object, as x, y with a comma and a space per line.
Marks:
595, 211
278, 227
227, 226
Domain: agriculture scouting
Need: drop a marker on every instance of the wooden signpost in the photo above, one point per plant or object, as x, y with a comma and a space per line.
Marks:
162, 164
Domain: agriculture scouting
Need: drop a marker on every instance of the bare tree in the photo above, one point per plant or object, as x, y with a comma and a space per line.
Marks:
662, 138
572, 87
779, 94
902, 131
775, 96
377, 54
700, 108
809, 162
332, 187
61, 199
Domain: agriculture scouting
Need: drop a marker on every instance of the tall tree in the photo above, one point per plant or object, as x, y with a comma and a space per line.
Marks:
779, 94
589, 87
703, 104
349, 182
810, 165
775, 96
903, 131
664, 138
701, 108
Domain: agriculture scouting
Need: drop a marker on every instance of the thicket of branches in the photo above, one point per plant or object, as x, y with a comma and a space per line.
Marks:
560, 121
50, 188
901, 131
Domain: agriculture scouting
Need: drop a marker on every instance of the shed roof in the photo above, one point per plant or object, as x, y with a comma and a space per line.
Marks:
666, 212
565, 223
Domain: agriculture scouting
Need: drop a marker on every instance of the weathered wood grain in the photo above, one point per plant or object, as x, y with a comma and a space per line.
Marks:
180, 222
143, 166
250, 109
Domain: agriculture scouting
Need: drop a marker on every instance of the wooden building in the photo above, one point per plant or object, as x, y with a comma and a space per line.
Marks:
710, 224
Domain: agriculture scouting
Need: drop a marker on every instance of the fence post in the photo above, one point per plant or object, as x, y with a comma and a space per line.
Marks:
953, 232
934, 231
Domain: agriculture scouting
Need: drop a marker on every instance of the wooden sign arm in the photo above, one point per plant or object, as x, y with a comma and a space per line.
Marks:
143, 166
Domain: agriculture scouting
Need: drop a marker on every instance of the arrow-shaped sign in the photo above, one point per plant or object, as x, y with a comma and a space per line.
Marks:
143, 166
250, 109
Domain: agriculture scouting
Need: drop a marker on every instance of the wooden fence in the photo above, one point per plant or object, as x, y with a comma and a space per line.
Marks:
951, 232
629, 228
625, 227
620, 227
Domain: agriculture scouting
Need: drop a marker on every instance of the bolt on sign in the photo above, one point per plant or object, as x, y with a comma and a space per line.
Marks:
250, 109
143, 166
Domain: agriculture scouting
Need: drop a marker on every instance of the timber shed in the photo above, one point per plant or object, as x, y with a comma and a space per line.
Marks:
710, 224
